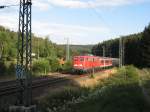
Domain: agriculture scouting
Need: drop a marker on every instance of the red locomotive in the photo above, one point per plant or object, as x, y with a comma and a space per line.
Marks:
85, 63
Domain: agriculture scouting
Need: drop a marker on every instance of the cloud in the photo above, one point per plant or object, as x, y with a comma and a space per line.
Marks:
78, 34
57, 32
9, 21
65, 30
92, 3
40, 4
45, 4
8, 2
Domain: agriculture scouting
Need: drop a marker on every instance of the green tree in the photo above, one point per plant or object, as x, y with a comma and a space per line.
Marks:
41, 66
145, 47
54, 64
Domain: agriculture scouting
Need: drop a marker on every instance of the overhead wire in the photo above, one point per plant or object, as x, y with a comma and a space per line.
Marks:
97, 13
5, 6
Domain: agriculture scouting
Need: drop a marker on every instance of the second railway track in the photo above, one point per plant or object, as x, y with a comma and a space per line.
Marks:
11, 87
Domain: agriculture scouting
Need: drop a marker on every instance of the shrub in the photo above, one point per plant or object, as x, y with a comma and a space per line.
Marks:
54, 64
41, 66
67, 67
3, 68
122, 88
59, 101
11, 69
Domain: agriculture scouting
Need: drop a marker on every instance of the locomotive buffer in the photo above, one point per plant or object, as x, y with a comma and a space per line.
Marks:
24, 61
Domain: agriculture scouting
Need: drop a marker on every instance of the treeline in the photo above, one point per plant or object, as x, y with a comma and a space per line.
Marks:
46, 54
41, 47
43, 51
136, 48
78, 49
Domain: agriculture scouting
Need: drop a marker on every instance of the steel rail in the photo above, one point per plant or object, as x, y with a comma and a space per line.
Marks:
15, 88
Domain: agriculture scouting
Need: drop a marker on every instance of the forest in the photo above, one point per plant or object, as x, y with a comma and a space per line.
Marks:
136, 48
46, 54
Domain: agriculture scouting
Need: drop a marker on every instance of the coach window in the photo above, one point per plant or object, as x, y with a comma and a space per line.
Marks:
107, 61
90, 59
82, 59
86, 59
93, 59
75, 59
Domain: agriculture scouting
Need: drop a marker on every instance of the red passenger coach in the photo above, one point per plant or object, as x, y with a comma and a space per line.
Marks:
84, 63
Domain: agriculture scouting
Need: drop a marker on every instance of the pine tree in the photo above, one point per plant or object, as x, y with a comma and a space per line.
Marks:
145, 47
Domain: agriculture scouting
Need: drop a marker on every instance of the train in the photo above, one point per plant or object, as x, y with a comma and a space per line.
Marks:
87, 63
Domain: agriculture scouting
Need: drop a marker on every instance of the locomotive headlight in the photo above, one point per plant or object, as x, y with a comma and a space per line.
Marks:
80, 65
77, 65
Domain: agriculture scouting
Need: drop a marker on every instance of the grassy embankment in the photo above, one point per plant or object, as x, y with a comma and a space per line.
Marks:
144, 76
119, 93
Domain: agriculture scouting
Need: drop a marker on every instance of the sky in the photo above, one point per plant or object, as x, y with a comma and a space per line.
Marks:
82, 21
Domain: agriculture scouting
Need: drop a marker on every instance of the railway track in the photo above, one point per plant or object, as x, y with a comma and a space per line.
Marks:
11, 87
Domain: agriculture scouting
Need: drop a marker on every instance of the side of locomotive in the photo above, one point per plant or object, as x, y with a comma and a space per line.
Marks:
85, 63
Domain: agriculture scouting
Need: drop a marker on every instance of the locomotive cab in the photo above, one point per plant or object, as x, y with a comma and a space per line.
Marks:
78, 62
88, 63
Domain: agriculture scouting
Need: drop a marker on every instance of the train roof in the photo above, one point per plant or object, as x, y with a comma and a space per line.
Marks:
84, 56
91, 57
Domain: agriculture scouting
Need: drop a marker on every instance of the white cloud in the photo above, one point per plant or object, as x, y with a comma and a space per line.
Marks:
78, 34
9, 21
57, 32
41, 4
92, 3
45, 4
8, 2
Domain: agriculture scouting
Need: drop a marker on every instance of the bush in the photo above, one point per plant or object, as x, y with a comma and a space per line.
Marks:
59, 101
11, 69
67, 67
3, 68
41, 66
54, 64
124, 75
122, 88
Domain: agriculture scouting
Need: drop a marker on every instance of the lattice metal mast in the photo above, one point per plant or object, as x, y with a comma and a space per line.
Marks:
67, 50
24, 60
121, 52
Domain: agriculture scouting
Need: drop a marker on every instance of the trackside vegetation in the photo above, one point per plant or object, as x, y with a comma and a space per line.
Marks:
45, 65
119, 93
46, 54
136, 48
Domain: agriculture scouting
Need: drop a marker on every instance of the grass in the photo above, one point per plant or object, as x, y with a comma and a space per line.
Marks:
119, 93
144, 75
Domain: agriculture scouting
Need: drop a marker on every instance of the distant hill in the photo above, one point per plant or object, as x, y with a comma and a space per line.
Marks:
79, 49
41, 47
136, 48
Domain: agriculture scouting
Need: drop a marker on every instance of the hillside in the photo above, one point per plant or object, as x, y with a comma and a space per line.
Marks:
41, 47
47, 53
44, 50
136, 48
79, 49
